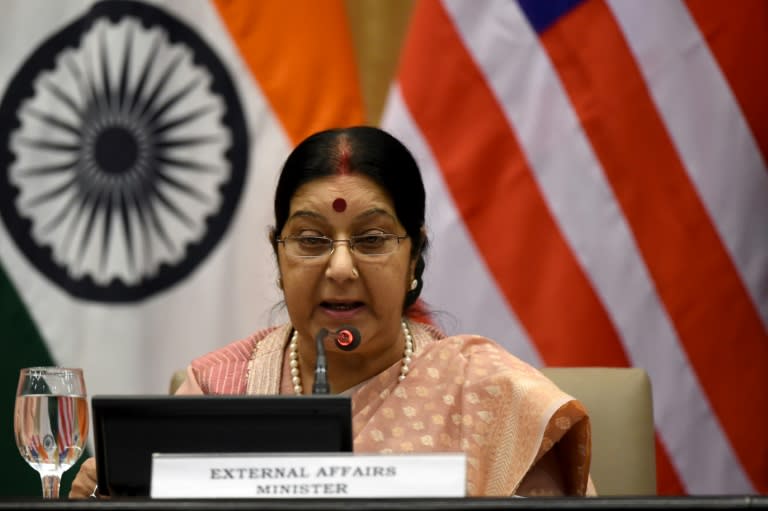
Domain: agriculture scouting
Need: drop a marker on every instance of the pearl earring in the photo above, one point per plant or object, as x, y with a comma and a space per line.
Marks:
414, 284
279, 282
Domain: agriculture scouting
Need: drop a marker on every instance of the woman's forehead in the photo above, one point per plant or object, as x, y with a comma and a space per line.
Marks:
341, 194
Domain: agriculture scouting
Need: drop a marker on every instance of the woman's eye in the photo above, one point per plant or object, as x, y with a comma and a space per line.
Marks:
370, 240
311, 241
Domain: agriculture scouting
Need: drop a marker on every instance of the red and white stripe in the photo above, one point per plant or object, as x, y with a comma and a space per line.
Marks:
66, 419
602, 186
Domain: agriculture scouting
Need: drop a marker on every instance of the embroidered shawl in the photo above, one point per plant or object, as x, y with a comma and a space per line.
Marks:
463, 393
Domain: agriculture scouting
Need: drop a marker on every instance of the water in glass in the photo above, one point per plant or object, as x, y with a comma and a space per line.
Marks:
51, 421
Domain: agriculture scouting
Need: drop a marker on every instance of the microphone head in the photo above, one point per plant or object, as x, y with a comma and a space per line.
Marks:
347, 338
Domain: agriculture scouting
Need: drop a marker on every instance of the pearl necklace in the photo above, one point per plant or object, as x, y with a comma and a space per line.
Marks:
293, 355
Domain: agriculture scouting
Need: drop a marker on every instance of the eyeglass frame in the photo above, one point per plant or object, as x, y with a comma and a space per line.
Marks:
349, 241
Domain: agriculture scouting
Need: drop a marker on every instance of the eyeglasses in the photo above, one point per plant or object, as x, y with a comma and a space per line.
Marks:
368, 245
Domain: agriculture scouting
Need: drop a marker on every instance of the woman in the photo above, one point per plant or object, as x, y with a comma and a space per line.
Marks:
350, 241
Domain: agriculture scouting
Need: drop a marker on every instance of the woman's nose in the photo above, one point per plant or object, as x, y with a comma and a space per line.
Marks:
341, 263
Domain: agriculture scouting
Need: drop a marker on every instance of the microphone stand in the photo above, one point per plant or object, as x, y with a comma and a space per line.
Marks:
320, 386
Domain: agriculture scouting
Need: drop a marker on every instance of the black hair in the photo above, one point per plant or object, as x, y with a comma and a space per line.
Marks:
368, 151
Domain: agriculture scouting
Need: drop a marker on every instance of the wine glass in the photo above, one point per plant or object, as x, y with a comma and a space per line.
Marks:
51, 421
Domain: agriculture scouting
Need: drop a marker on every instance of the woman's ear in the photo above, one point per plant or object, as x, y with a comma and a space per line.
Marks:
419, 246
417, 250
272, 236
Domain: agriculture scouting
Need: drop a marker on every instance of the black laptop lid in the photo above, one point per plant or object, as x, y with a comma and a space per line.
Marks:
129, 429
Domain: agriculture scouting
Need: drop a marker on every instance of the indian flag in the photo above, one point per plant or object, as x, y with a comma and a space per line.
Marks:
140, 143
598, 196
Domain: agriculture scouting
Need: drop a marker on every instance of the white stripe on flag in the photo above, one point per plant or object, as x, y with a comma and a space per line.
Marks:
521, 75
470, 295
709, 131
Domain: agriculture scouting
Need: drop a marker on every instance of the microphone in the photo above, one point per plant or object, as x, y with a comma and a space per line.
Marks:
346, 338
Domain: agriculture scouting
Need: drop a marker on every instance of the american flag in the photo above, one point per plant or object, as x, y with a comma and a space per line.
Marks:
598, 196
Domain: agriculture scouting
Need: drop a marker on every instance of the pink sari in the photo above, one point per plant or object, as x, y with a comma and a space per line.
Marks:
463, 393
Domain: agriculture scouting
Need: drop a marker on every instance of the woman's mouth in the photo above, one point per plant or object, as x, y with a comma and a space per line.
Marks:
341, 306
341, 310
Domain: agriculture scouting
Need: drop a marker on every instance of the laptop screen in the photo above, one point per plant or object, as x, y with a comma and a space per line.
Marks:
127, 430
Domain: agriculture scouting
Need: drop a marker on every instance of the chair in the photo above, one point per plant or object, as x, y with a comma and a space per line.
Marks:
177, 378
620, 408
621, 412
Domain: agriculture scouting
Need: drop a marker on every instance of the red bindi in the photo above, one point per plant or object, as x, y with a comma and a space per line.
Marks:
339, 205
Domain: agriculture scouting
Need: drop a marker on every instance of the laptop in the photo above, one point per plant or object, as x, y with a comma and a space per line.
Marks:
127, 430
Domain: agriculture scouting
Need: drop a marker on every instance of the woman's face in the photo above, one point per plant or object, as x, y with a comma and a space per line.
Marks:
345, 288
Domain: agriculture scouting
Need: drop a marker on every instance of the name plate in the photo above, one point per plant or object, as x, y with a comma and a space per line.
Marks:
308, 475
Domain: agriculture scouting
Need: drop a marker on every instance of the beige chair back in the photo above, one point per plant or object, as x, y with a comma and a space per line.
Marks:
621, 412
177, 378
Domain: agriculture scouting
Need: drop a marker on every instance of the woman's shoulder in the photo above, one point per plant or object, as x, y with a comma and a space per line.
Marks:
237, 351
483, 360
472, 347
225, 370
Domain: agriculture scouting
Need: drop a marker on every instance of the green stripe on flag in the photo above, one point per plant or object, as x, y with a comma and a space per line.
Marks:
22, 346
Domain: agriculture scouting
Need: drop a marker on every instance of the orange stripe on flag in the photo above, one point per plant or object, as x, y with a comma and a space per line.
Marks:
498, 198
696, 280
278, 44
737, 34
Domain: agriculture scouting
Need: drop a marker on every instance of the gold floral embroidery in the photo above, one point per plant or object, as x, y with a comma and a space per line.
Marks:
485, 416
479, 439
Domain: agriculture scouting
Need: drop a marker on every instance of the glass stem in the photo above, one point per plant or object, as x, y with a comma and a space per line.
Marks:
51, 485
